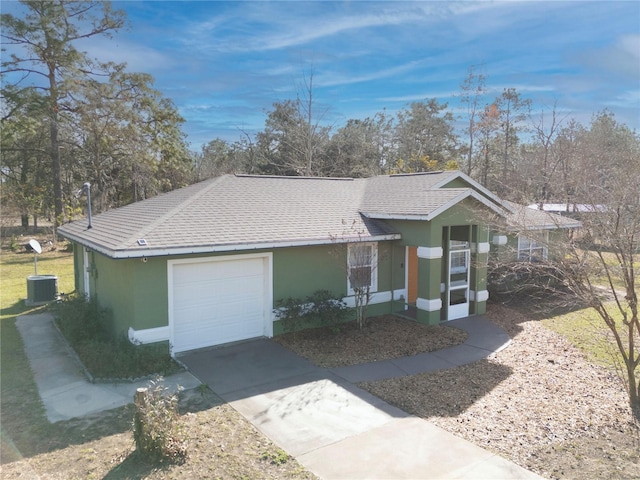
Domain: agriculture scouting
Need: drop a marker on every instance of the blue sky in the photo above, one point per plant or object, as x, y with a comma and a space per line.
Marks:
225, 63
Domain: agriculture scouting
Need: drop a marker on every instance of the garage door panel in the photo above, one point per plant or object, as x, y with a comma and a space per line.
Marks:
218, 302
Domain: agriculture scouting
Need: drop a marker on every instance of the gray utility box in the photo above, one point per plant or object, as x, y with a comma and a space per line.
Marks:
41, 289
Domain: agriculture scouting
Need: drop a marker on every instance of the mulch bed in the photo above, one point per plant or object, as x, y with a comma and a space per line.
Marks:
382, 338
539, 402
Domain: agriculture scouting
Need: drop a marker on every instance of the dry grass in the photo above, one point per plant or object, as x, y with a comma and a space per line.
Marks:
221, 444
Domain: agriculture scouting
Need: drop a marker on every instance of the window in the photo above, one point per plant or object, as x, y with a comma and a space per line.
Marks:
533, 249
459, 262
362, 262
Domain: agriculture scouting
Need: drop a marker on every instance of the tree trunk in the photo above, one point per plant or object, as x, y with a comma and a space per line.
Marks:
55, 150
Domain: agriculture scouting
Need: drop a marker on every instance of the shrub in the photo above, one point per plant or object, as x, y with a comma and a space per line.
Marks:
326, 309
86, 326
533, 279
81, 321
291, 312
321, 308
157, 430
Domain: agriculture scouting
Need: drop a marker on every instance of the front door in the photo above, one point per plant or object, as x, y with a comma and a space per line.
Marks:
458, 284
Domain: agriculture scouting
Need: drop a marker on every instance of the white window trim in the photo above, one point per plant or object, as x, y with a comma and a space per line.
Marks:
544, 240
374, 266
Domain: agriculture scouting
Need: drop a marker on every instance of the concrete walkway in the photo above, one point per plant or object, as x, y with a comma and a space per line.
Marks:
64, 389
333, 428
339, 431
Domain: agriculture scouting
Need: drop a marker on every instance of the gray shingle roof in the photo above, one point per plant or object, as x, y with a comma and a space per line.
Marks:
525, 218
240, 212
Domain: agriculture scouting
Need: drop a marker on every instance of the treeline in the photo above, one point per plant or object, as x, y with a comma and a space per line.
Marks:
68, 119
523, 156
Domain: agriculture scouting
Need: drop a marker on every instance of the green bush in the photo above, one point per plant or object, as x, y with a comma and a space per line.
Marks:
321, 308
291, 312
86, 326
81, 321
326, 309
157, 430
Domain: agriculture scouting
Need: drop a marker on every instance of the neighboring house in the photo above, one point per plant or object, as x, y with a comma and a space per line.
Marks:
206, 264
573, 210
531, 232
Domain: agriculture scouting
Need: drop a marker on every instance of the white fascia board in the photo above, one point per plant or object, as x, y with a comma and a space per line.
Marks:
171, 251
469, 193
545, 227
393, 216
475, 185
498, 208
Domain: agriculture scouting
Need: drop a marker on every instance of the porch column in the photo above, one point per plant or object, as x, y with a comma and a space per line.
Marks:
429, 302
480, 249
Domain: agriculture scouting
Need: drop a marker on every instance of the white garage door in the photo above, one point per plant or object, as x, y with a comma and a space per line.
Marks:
212, 302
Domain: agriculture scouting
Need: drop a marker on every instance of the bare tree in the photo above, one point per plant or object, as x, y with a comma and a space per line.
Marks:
361, 266
598, 266
293, 137
513, 110
472, 89
487, 128
546, 161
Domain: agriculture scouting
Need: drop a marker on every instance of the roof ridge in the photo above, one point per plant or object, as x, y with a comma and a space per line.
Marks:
292, 177
415, 174
171, 212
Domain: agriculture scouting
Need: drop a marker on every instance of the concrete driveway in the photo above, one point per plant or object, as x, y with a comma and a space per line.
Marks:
333, 428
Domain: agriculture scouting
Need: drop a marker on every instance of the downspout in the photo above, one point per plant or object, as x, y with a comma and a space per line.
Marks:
391, 279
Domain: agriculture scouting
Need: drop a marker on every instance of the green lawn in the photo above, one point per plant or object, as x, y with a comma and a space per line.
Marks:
586, 330
24, 425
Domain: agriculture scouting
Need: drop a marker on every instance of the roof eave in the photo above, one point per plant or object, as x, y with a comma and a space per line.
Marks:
469, 192
200, 249
488, 193
545, 226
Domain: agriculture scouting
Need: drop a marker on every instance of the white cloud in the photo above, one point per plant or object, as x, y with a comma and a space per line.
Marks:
332, 79
137, 56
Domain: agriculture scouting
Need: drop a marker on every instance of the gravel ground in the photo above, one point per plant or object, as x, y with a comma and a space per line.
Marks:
538, 402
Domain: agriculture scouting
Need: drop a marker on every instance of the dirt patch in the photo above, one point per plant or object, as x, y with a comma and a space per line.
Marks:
538, 402
382, 338
221, 444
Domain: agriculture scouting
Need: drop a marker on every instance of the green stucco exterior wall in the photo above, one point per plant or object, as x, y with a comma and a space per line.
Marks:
136, 291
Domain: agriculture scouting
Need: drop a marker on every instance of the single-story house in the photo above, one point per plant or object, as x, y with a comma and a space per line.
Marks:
206, 264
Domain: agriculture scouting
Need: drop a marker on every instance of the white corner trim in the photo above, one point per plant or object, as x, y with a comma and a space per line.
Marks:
483, 247
376, 297
481, 296
400, 294
149, 335
429, 305
430, 252
499, 239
